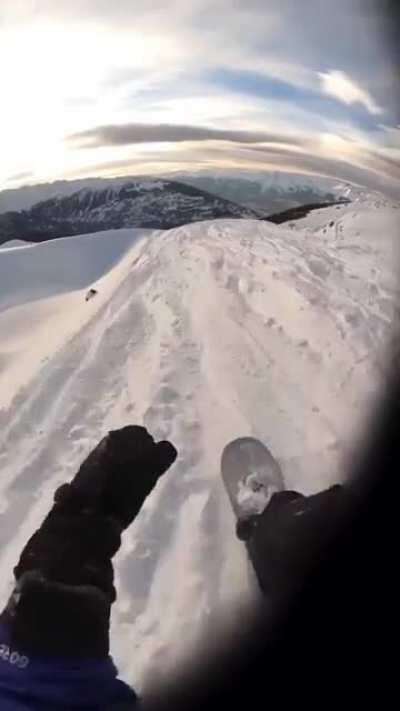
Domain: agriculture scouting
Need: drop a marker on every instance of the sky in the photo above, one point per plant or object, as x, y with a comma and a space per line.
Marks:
93, 87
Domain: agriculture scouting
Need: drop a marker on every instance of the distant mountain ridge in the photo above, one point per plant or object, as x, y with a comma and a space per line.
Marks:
153, 204
65, 208
274, 191
282, 189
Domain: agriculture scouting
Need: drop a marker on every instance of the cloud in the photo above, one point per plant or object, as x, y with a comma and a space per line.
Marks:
390, 136
134, 133
367, 175
378, 161
231, 71
134, 167
249, 157
342, 87
17, 177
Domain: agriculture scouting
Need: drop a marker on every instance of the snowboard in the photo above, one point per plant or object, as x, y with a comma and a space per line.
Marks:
251, 476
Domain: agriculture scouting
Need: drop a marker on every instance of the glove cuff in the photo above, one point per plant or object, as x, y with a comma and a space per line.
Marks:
48, 618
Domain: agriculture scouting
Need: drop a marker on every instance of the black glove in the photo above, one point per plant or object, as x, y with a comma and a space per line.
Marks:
118, 474
104, 497
65, 572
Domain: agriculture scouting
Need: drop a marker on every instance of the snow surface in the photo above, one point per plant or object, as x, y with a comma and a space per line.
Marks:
15, 244
204, 333
56, 266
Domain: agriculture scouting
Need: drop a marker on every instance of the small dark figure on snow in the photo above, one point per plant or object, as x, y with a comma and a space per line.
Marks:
91, 293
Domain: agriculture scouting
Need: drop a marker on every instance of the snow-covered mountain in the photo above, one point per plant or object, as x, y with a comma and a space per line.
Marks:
203, 333
16, 199
269, 191
40, 212
272, 191
156, 204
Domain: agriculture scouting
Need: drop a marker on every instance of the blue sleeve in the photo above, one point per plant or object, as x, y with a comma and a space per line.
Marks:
28, 684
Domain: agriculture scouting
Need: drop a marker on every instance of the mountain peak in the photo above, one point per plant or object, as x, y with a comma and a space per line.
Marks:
149, 203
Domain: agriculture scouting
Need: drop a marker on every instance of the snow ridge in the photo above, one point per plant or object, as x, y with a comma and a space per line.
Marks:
204, 333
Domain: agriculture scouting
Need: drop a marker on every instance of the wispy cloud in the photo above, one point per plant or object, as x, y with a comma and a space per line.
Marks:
367, 175
370, 172
209, 77
117, 135
22, 176
342, 87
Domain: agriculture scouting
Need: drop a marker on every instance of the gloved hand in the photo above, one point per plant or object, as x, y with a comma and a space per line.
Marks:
65, 580
89, 514
119, 474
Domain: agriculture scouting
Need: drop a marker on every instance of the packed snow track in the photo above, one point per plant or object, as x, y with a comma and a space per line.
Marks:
203, 333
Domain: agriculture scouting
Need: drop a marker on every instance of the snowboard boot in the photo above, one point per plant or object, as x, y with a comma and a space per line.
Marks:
246, 525
289, 538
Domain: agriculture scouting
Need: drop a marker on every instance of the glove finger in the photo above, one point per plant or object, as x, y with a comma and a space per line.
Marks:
130, 442
132, 434
163, 456
131, 487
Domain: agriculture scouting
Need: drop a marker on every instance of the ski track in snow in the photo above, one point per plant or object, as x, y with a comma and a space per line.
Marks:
204, 333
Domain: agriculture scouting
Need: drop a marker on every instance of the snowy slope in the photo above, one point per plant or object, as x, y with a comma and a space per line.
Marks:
363, 231
14, 244
203, 333
28, 273
363, 215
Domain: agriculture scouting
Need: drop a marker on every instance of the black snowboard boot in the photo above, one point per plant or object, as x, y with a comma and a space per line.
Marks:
288, 538
246, 525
